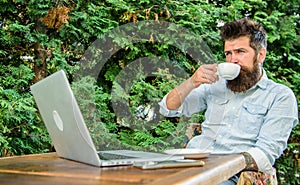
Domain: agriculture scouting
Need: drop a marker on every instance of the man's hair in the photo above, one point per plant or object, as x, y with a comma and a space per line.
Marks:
245, 27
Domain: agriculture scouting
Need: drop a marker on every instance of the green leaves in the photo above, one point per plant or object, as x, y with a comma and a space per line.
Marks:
19, 121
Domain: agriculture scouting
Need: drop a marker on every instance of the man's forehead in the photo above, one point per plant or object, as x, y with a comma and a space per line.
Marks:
236, 44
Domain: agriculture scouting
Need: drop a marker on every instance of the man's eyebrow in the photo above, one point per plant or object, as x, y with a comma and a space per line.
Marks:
226, 51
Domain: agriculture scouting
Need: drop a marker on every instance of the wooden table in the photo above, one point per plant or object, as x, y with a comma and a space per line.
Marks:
50, 169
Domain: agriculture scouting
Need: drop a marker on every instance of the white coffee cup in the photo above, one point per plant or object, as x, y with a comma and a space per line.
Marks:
228, 71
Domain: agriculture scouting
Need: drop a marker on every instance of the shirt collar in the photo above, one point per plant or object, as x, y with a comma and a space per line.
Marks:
262, 83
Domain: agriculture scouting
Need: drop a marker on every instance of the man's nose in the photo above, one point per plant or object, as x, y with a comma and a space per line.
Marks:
233, 58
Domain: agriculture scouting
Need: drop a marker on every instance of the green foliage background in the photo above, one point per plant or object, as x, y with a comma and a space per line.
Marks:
31, 48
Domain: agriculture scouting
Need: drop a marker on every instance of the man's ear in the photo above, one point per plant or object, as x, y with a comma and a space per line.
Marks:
261, 55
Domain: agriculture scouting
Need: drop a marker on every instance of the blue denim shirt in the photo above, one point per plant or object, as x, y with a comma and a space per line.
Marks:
258, 121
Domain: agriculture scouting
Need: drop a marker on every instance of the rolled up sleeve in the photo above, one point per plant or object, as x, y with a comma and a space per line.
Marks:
169, 113
262, 161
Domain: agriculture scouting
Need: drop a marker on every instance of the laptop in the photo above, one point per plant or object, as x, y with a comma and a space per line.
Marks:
68, 131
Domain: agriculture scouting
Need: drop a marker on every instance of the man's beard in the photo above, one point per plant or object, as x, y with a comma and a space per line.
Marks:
246, 79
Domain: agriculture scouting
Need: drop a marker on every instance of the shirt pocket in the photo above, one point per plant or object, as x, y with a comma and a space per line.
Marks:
251, 118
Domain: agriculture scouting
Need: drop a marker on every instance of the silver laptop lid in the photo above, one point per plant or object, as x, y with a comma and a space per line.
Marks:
63, 119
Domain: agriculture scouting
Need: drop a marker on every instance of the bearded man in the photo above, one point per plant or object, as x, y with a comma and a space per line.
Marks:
250, 115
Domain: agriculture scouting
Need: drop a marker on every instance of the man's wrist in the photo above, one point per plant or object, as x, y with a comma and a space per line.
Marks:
193, 82
250, 162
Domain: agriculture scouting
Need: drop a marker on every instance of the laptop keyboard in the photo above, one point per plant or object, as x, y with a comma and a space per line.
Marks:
107, 156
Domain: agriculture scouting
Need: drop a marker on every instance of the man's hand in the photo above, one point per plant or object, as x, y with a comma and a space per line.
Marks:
205, 74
